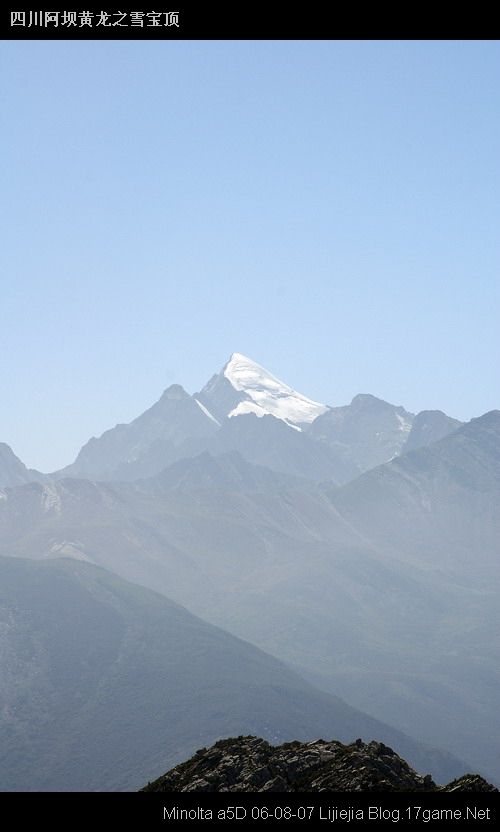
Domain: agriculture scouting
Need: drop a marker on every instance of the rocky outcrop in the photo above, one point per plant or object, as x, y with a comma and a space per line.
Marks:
250, 764
13, 472
469, 783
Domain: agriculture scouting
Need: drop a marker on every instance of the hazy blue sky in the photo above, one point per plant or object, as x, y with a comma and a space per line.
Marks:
329, 208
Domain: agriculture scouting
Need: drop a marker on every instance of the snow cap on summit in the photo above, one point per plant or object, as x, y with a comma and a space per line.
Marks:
265, 394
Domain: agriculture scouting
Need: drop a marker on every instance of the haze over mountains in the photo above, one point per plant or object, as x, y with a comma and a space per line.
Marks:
245, 408
358, 544
104, 682
13, 471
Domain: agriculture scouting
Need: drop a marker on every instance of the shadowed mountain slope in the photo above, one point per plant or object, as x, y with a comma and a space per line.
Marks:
103, 683
13, 472
384, 591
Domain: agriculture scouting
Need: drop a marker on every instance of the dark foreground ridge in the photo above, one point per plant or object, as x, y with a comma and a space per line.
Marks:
250, 764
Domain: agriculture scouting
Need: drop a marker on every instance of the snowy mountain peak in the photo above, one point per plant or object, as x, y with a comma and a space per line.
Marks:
264, 394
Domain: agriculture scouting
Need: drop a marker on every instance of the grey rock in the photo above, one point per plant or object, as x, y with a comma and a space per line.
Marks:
154, 435
429, 426
304, 767
365, 433
13, 472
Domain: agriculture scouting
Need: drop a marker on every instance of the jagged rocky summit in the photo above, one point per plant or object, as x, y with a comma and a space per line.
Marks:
250, 764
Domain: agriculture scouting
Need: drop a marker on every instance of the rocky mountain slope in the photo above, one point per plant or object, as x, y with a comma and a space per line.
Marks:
429, 426
245, 408
436, 505
175, 417
12, 471
365, 433
228, 471
103, 682
369, 431
250, 764
384, 591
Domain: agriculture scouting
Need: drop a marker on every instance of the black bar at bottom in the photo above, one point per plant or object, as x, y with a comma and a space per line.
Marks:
155, 810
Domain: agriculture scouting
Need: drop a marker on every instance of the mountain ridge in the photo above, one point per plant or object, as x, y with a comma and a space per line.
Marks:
258, 391
236, 410
103, 682
14, 472
250, 764
383, 590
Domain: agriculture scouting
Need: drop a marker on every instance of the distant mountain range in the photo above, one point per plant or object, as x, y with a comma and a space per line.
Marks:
245, 408
104, 683
369, 431
358, 544
13, 472
384, 591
